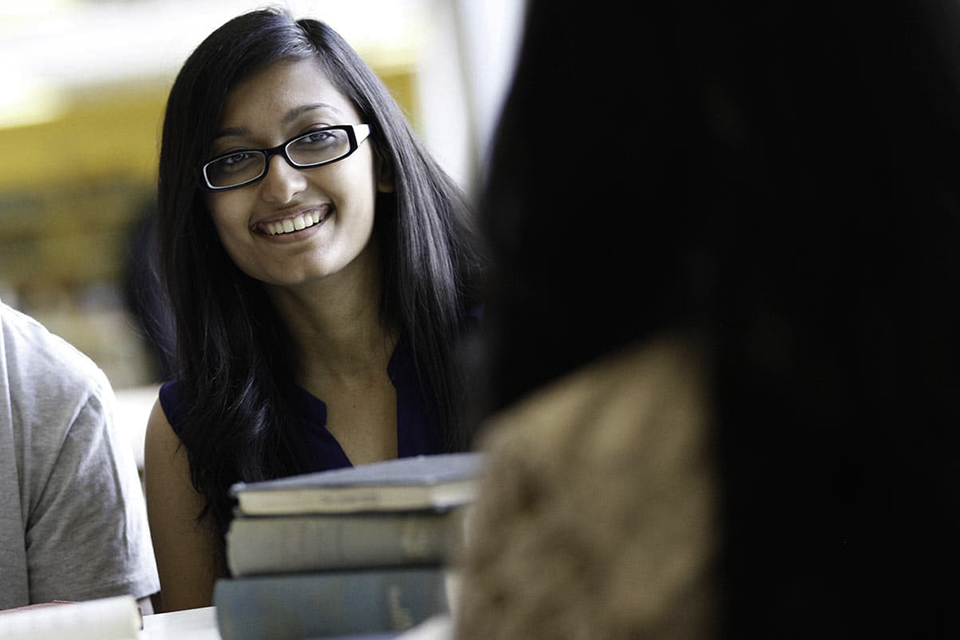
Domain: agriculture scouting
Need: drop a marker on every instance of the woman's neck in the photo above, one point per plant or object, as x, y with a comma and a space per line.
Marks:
337, 326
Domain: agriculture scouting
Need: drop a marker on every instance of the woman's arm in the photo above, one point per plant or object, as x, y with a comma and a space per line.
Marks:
187, 555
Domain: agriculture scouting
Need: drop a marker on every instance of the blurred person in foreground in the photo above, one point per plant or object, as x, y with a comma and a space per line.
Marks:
72, 520
723, 354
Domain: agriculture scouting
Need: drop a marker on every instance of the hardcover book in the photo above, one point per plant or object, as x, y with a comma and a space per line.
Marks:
289, 544
422, 482
323, 604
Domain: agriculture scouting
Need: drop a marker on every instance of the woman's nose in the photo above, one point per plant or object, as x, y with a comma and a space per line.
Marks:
282, 181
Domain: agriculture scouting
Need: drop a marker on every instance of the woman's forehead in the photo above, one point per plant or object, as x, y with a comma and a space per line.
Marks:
282, 93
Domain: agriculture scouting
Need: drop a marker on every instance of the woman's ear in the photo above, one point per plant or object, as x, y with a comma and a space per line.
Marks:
384, 169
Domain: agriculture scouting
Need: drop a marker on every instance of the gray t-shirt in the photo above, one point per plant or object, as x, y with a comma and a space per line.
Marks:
72, 515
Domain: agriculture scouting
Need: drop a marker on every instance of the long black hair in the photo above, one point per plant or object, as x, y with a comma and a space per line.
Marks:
235, 358
783, 180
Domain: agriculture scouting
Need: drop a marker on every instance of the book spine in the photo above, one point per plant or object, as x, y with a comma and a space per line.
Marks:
295, 544
352, 499
296, 606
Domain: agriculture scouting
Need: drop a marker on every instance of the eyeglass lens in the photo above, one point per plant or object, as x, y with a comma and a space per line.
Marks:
317, 147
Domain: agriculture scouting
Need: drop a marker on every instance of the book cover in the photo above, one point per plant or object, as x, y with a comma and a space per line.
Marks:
288, 544
323, 604
422, 482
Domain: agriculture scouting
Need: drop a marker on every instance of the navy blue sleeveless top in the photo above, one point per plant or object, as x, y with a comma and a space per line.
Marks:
416, 429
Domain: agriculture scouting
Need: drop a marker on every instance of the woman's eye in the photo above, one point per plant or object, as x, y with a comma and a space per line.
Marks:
318, 137
235, 158
239, 161
318, 147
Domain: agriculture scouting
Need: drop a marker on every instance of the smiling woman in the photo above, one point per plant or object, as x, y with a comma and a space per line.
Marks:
320, 266
265, 198
65, 240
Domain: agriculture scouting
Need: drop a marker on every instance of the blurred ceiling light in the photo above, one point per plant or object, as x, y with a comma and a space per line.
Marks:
19, 9
26, 101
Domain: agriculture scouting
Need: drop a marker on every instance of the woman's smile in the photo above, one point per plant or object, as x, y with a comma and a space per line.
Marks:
293, 223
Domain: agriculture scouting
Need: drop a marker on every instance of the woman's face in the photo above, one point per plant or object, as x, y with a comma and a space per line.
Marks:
327, 211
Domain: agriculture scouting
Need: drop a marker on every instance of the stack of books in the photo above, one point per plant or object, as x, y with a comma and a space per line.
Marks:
361, 550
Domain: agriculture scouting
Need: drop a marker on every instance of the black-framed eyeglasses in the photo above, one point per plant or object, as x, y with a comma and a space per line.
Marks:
315, 149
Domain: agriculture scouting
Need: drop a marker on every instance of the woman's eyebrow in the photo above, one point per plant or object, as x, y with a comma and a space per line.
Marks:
290, 117
231, 132
295, 113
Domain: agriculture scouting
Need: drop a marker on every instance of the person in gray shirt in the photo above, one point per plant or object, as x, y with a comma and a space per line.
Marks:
72, 517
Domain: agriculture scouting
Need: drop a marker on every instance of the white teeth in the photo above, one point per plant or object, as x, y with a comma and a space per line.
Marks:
289, 225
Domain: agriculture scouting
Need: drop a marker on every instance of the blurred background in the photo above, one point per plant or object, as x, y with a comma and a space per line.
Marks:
83, 85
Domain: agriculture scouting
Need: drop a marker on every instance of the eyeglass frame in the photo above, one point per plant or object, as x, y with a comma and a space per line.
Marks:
354, 138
